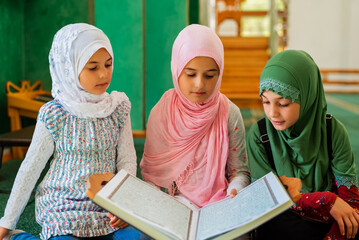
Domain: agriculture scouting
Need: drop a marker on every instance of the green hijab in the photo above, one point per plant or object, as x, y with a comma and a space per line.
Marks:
301, 150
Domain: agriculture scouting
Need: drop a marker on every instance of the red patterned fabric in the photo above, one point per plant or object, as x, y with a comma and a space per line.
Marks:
317, 206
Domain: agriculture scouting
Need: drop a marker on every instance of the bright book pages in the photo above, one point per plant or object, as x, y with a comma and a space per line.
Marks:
162, 216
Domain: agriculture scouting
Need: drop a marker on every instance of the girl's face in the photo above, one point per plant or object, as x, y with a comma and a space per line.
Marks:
283, 113
96, 75
198, 79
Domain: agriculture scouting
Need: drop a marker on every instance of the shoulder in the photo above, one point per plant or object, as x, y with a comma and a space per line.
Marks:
49, 110
234, 112
121, 113
48, 105
337, 125
339, 132
253, 133
164, 102
233, 108
124, 108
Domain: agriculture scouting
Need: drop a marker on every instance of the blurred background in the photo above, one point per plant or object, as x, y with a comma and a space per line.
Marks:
142, 33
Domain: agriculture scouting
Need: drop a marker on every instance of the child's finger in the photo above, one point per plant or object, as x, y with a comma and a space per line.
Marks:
349, 227
119, 223
116, 222
123, 224
233, 193
354, 224
341, 226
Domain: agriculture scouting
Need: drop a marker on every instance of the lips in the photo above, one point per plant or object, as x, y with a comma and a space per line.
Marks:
102, 84
277, 122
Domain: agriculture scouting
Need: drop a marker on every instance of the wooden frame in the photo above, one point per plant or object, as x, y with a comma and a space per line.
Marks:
344, 85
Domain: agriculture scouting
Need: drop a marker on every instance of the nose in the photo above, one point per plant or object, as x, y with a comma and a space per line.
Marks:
103, 72
273, 110
199, 82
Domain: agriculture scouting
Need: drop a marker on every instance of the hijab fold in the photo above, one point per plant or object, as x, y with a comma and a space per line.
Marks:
72, 46
183, 136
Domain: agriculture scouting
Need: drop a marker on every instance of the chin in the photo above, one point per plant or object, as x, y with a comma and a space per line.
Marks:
97, 93
280, 128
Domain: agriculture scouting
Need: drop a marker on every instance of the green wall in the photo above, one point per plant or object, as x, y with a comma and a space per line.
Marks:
11, 49
142, 33
122, 22
193, 12
164, 20
26, 32
42, 20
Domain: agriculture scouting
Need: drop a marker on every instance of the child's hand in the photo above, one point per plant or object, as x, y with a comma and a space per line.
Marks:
3, 232
116, 222
233, 193
346, 217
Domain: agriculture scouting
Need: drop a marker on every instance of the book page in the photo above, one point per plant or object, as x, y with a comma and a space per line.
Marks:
143, 200
231, 213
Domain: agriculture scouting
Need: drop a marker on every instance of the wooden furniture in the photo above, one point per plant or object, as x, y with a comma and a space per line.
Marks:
233, 10
24, 101
96, 181
244, 59
293, 185
245, 56
20, 137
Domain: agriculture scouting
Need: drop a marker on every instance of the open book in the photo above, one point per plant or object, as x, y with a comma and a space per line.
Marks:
162, 216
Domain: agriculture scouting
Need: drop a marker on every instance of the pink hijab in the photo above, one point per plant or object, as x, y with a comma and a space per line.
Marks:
183, 136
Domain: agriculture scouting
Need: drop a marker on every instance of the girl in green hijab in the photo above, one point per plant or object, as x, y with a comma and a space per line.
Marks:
294, 103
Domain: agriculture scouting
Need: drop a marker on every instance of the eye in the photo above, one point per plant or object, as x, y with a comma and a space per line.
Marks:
92, 68
284, 105
210, 76
108, 63
191, 74
265, 102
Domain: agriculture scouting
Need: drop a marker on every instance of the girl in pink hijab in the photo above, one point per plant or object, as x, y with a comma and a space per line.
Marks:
195, 143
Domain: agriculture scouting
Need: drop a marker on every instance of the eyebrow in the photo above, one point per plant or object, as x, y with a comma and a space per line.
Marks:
209, 70
105, 61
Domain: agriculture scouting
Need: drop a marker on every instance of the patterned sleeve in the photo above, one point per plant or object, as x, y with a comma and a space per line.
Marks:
237, 170
351, 196
39, 152
317, 206
126, 158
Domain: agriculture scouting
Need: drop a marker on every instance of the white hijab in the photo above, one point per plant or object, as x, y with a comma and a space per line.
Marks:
72, 46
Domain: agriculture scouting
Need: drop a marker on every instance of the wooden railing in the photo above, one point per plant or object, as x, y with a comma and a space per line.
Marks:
244, 59
340, 80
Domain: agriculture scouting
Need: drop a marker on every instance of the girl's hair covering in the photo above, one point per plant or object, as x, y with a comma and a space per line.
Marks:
72, 46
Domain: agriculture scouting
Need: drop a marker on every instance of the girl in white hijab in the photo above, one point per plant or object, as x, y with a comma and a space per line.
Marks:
84, 131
